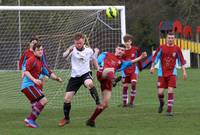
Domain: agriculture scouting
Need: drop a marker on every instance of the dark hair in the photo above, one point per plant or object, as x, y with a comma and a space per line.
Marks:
128, 37
37, 45
122, 45
170, 33
78, 36
34, 38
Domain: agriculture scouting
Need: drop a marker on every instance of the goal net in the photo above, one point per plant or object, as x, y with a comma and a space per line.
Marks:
55, 27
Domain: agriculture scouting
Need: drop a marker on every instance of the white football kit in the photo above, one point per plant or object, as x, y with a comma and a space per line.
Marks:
80, 61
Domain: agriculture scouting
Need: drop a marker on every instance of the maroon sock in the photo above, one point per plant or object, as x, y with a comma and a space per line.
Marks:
36, 110
170, 102
125, 95
161, 99
132, 97
96, 113
133, 92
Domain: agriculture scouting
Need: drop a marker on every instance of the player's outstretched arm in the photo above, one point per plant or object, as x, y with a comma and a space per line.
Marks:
68, 51
142, 56
54, 77
96, 52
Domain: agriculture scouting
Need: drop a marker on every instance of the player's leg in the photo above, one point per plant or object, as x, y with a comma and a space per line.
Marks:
161, 99
134, 78
109, 73
38, 101
171, 86
125, 92
88, 82
106, 87
99, 109
170, 101
73, 85
161, 84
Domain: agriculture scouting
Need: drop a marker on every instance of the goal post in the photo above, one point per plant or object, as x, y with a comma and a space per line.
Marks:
55, 27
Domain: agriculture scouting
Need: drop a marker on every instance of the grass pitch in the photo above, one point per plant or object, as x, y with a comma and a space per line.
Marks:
143, 119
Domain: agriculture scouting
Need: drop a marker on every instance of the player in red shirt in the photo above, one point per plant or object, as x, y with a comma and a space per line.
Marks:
109, 63
29, 53
130, 75
167, 55
31, 84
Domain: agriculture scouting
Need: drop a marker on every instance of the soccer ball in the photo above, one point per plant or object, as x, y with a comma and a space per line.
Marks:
111, 12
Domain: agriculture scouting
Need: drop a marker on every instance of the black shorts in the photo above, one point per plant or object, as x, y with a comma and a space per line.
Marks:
75, 82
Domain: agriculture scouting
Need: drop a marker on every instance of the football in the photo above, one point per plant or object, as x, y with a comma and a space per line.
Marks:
111, 12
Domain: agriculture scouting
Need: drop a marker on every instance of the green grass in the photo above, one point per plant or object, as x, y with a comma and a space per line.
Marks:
143, 119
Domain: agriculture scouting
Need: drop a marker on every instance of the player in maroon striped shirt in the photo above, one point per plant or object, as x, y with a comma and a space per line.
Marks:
31, 84
109, 63
167, 55
130, 75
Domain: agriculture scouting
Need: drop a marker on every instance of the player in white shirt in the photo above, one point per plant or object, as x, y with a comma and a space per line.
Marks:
81, 56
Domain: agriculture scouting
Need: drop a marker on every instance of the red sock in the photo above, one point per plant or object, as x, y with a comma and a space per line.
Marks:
125, 95
170, 102
96, 113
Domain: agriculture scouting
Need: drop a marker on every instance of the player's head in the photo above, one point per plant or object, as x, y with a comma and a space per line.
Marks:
33, 41
170, 38
38, 50
79, 41
119, 50
128, 40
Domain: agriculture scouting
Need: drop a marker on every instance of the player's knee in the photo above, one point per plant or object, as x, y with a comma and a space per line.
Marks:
125, 85
89, 84
67, 99
68, 96
105, 105
44, 101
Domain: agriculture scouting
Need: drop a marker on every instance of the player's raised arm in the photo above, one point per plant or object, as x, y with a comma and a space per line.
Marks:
68, 51
94, 59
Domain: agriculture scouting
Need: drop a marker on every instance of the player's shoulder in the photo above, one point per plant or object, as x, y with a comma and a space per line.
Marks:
26, 51
135, 47
177, 47
87, 48
32, 58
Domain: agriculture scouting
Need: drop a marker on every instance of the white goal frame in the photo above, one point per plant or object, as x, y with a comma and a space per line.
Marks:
62, 8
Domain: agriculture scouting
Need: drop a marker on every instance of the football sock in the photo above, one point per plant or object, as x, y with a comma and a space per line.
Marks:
161, 99
94, 94
170, 102
125, 95
96, 113
67, 108
37, 108
133, 92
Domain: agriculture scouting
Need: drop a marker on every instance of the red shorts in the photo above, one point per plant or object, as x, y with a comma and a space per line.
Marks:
130, 77
33, 93
105, 83
165, 82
